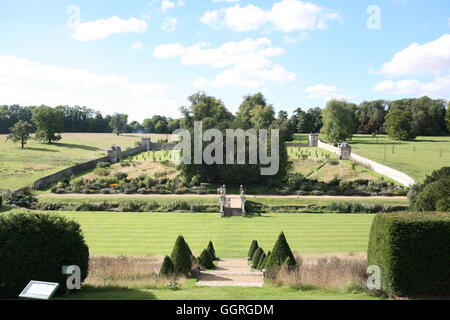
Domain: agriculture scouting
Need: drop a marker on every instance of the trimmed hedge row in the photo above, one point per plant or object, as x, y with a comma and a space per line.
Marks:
413, 253
334, 207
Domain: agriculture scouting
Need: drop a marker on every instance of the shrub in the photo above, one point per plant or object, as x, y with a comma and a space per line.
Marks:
167, 268
103, 172
120, 176
412, 251
103, 165
280, 252
21, 200
44, 244
212, 251
252, 249
261, 262
430, 194
206, 260
181, 257
256, 256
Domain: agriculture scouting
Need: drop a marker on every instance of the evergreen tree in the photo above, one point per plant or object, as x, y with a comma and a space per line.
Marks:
206, 260
167, 267
252, 249
212, 251
256, 257
261, 261
287, 265
181, 257
281, 251
264, 263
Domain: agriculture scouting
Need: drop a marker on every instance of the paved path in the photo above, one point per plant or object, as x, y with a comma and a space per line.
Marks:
231, 273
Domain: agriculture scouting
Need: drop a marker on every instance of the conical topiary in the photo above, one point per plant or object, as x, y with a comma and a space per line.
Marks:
252, 250
181, 257
167, 267
263, 265
287, 265
261, 261
256, 256
211, 251
206, 260
281, 251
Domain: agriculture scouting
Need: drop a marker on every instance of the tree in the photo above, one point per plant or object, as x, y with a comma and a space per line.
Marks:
49, 123
281, 251
118, 123
399, 125
167, 267
338, 121
252, 249
212, 251
20, 132
262, 259
371, 115
447, 117
181, 257
206, 260
256, 257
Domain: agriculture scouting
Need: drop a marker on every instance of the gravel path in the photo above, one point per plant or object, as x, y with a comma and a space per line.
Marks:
231, 273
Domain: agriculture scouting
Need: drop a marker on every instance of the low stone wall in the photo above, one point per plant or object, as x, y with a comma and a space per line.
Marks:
389, 172
296, 145
130, 152
67, 173
157, 146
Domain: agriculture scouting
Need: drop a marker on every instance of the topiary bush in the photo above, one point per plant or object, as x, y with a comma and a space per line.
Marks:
412, 251
212, 251
167, 268
252, 249
256, 257
35, 246
206, 260
433, 194
280, 252
260, 265
181, 257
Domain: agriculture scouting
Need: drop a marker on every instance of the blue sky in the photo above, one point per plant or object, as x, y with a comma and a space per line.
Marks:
145, 57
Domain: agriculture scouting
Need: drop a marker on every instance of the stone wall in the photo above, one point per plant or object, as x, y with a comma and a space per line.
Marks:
157, 146
389, 172
44, 182
296, 145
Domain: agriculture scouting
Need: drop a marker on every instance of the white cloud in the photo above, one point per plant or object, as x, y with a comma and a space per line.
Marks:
326, 92
431, 57
31, 83
200, 83
247, 61
103, 28
286, 16
290, 40
138, 46
437, 88
169, 24
166, 5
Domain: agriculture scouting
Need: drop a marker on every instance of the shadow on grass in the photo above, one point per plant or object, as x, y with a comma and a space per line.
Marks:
78, 146
40, 149
109, 293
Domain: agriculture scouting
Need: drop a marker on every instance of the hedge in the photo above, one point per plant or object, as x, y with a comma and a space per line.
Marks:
413, 253
35, 247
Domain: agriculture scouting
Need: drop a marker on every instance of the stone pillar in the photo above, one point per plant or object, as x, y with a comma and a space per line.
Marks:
314, 140
114, 153
345, 151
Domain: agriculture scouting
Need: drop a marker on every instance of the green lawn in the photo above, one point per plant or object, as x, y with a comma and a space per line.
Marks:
21, 167
155, 233
190, 292
416, 158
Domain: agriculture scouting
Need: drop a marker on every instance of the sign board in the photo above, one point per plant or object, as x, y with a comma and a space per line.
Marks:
39, 290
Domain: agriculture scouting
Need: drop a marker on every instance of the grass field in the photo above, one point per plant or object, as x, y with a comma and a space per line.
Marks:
19, 168
155, 233
416, 158
191, 292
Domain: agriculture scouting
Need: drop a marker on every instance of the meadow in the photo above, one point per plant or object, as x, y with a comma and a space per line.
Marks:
111, 233
20, 167
416, 158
